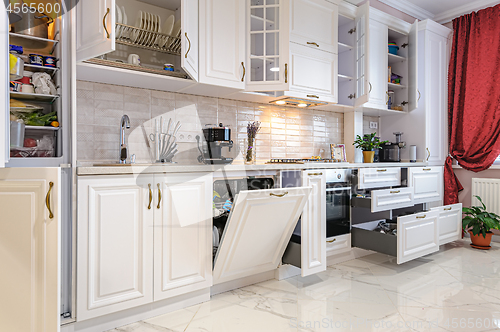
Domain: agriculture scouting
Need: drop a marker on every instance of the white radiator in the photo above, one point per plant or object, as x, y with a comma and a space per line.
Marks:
489, 191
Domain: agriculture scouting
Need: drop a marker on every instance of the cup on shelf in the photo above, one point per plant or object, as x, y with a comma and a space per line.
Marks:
134, 59
27, 88
17, 134
168, 67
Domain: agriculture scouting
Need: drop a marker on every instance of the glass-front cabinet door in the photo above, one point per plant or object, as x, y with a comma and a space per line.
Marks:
267, 26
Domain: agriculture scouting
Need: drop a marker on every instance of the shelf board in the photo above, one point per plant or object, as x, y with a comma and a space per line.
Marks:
33, 96
396, 86
344, 47
345, 78
35, 42
395, 58
45, 40
47, 128
40, 68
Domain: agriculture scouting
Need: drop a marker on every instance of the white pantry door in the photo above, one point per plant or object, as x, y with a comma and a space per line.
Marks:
190, 37
30, 233
4, 83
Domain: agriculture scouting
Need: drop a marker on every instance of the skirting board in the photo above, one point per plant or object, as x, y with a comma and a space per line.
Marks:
133, 315
238, 283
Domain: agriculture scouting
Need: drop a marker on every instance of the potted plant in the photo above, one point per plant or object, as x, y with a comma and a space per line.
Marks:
368, 144
479, 222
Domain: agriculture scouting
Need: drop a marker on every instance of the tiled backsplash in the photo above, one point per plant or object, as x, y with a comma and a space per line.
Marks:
286, 132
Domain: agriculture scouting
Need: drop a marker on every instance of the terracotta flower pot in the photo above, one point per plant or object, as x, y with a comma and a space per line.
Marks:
368, 156
479, 240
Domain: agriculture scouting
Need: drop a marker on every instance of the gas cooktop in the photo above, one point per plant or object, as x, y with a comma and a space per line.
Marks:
301, 161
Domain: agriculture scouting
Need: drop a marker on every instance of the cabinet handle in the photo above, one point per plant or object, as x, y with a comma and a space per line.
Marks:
381, 170
426, 169
388, 96
314, 174
159, 196
428, 154
370, 87
312, 43
404, 103
279, 195
395, 192
150, 196
189, 48
47, 200
447, 209
351, 96
421, 217
104, 23
331, 241
419, 95
244, 72
312, 96
286, 72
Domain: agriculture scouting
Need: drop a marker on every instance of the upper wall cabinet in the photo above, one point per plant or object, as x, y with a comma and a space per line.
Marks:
222, 43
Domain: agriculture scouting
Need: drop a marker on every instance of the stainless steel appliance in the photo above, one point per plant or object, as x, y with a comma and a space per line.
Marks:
391, 151
338, 202
216, 138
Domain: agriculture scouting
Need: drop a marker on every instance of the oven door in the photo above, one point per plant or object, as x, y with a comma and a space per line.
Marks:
338, 210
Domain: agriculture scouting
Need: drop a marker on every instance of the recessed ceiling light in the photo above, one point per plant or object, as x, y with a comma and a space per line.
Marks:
302, 105
281, 102
275, 69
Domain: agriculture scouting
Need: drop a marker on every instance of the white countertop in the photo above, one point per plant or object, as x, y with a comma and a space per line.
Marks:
179, 168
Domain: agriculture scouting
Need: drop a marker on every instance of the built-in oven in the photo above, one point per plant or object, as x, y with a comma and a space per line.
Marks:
338, 202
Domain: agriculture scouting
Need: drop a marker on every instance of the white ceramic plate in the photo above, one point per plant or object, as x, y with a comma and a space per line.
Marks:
124, 33
138, 24
119, 19
175, 32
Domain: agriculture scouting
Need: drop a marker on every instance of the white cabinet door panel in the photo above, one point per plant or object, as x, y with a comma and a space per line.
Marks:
378, 65
418, 235
413, 67
4, 87
257, 232
450, 223
363, 54
222, 43
379, 177
190, 37
30, 249
183, 235
313, 225
95, 28
389, 199
314, 24
115, 252
338, 245
427, 183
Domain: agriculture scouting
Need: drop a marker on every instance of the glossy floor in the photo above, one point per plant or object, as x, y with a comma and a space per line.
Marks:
456, 289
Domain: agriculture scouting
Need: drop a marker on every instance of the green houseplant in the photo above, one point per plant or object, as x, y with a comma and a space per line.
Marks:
368, 144
479, 222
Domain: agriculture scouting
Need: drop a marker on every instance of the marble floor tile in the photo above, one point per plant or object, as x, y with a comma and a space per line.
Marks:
455, 289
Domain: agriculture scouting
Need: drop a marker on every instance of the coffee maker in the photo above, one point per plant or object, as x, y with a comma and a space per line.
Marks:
391, 151
216, 138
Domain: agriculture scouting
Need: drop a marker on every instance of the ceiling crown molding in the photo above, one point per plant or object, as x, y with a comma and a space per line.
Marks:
473, 6
409, 8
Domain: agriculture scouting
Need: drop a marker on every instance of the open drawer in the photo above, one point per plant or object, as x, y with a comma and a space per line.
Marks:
417, 236
450, 222
369, 178
257, 231
386, 199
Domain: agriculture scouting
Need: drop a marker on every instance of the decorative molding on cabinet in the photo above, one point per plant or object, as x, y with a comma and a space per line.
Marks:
409, 8
449, 15
434, 27
347, 9
392, 22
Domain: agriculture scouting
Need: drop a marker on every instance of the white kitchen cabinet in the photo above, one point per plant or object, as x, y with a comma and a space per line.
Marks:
313, 224
257, 232
190, 37
363, 46
222, 43
95, 28
183, 234
417, 236
389, 199
449, 223
338, 245
377, 65
30, 234
427, 183
115, 244
4, 88
321, 35
379, 177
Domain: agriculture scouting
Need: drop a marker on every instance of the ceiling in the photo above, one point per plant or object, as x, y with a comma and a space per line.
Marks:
441, 11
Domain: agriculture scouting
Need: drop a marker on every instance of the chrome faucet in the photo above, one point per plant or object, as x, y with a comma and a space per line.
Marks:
124, 123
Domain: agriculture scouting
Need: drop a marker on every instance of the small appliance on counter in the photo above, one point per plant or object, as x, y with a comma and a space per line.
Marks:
216, 138
391, 151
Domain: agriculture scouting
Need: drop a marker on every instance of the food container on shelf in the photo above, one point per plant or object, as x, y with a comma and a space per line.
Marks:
36, 59
393, 48
168, 67
16, 67
17, 130
33, 23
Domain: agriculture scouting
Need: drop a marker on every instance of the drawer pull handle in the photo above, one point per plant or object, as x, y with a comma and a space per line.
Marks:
314, 174
279, 195
331, 241
381, 170
447, 209
286, 72
312, 96
395, 192
150, 196
47, 200
104, 23
312, 43
159, 197
427, 169
421, 217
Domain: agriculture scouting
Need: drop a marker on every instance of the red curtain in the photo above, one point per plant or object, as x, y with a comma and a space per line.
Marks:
473, 96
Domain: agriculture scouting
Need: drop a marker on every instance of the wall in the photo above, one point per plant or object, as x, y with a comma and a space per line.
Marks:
366, 124
285, 132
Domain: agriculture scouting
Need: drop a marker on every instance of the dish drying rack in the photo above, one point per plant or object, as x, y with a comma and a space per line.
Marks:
147, 39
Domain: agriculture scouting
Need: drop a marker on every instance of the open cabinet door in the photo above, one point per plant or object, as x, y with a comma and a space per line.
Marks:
29, 252
413, 67
4, 88
189, 37
95, 28
362, 56
257, 232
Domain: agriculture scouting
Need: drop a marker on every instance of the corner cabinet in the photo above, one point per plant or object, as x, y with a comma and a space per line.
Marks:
163, 248
30, 233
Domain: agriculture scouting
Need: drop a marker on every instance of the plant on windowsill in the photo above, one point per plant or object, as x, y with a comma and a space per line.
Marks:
479, 223
368, 144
